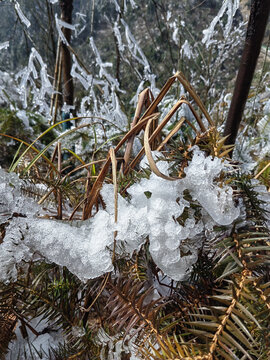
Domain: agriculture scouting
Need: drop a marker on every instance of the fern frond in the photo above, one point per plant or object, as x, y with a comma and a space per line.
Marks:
132, 306
8, 317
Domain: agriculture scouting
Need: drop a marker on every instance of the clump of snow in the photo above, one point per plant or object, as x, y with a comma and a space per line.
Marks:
155, 204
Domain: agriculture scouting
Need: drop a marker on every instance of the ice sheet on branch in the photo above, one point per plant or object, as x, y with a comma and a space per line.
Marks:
229, 7
4, 45
60, 24
34, 79
152, 210
21, 15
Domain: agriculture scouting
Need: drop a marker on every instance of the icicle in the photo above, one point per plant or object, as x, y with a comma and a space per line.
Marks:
133, 4
186, 51
80, 21
117, 7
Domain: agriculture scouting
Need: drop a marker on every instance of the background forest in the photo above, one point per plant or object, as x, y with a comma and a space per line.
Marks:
134, 179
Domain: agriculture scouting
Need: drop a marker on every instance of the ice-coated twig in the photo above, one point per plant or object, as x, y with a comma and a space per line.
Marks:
59, 24
4, 45
27, 78
102, 67
21, 15
230, 7
77, 72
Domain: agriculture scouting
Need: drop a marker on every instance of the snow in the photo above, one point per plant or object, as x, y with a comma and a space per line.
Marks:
85, 248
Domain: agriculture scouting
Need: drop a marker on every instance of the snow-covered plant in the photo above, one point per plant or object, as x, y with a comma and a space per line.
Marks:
159, 253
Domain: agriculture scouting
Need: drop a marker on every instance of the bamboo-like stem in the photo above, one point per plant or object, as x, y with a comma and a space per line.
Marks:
55, 77
59, 192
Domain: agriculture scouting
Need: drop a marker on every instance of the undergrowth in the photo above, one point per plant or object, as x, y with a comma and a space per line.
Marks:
220, 310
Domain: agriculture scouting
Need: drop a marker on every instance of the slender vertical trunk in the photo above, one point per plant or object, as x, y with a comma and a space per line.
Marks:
66, 15
255, 32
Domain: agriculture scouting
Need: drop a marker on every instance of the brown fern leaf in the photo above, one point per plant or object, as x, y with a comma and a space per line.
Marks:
8, 319
132, 306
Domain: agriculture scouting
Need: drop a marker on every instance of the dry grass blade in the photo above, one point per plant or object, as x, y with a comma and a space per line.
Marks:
92, 198
30, 146
143, 102
114, 176
172, 133
180, 76
159, 128
138, 124
149, 156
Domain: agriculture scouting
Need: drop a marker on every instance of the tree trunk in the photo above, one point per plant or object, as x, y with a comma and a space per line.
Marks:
66, 15
255, 32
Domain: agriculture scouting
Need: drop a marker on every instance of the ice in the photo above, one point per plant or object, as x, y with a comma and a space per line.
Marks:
186, 50
4, 45
118, 36
113, 346
133, 4
27, 77
21, 114
217, 201
102, 67
21, 15
229, 6
151, 211
134, 48
59, 24
33, 345
117, 6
